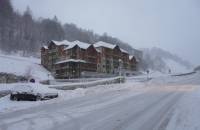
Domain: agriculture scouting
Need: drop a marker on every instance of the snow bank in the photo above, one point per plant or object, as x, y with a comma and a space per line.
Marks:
36, 86
23, 66
7, 106
88, 84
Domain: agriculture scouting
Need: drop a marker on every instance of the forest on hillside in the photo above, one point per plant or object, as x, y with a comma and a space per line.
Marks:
21, 32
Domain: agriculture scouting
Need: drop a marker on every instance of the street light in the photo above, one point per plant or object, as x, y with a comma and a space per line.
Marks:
120, 67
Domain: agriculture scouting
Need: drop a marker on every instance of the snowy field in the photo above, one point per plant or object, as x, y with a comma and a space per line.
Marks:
23, 66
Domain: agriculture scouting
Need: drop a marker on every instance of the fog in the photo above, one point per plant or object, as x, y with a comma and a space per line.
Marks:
173, 25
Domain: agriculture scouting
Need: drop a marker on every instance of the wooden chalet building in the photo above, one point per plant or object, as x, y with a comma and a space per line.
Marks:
111, 57
71, 59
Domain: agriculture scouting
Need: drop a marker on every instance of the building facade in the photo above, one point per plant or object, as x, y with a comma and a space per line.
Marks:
72, 59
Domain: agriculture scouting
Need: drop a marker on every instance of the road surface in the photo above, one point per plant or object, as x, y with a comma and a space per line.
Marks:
114, 110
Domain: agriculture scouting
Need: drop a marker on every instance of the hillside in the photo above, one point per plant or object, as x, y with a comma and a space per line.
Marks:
197, 68
163, 61
24, 33
23, 66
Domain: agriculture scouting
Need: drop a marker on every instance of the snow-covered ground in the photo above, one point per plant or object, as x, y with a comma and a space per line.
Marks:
186, 115
23, 66
155, 101
172, 102
8, 106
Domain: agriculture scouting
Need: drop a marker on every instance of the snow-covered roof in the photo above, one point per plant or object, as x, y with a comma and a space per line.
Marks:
82, 44
107, 45
69, 46
58, 43
71, 60
130, 57
104, 44
122, 50
45, 47
86, 45
72, 44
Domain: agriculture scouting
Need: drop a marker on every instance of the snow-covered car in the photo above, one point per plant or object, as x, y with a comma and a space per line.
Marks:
29, 93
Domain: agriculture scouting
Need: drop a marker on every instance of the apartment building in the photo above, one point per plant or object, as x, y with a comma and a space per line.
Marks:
71, 59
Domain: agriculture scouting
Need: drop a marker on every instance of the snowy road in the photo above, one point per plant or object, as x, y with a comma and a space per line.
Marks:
115, 110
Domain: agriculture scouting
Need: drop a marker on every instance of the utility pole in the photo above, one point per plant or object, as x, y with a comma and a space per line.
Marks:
120, 69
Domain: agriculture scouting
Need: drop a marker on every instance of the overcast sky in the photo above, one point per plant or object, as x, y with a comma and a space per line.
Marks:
173, 25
